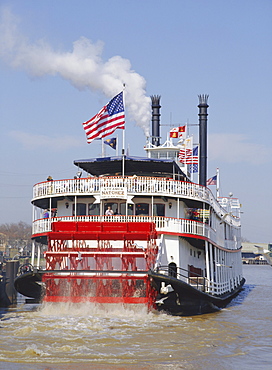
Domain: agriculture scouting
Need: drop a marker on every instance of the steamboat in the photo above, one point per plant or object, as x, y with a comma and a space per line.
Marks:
136, 230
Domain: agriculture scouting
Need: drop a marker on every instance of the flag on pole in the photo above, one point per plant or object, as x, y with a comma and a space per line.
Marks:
193, 156
111, 142
178, 132
186, 151
107, 120
194, 163
212, 180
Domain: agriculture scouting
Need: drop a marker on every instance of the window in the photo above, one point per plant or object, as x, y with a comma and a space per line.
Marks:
123, 209
80, 209
159, 209
94, 209
142, 209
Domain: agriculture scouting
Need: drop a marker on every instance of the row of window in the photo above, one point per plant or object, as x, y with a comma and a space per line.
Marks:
138, 209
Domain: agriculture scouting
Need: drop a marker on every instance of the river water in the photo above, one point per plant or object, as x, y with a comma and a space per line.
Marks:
70, 337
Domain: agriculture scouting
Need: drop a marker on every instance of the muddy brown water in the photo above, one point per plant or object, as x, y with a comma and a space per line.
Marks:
69, 336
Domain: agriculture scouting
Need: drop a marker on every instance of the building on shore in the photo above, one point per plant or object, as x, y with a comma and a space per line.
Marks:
251, 254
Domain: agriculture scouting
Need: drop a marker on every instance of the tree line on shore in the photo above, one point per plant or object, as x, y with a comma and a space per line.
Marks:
15, 235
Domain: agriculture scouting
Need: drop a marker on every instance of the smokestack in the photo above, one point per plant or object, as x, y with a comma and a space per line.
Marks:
203, 119
156, 119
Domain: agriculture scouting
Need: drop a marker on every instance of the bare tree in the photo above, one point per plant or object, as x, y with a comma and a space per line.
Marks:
16, 234
244, 240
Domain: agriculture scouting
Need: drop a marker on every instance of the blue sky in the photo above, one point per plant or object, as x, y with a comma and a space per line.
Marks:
61, 61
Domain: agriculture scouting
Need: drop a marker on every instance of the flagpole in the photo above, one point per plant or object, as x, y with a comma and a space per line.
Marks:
198, 163
123, 155
123, 145
217, 184
102, 148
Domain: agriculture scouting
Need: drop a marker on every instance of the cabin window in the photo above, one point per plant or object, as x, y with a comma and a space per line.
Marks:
94, 209
80, 209
158, 209
142, 209
113, 206
194, 271
123, 209
227, 231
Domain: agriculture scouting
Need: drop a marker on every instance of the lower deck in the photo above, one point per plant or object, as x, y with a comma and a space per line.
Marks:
117, 251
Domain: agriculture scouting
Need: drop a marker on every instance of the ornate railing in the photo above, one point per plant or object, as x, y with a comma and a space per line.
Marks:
121, 187
169, 224
132, 185
163, 224
201, 282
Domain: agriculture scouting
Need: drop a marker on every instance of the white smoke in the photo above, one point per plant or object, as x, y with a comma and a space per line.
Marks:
83, 67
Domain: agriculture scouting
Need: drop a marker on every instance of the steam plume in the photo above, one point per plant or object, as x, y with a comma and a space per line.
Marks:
83, 67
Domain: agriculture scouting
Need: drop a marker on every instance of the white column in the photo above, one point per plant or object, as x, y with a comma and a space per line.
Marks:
212, 269
39, 255
33, 253
178, 208
207, 265
216, 268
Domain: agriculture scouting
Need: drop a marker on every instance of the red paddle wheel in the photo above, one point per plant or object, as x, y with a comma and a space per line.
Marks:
104, 262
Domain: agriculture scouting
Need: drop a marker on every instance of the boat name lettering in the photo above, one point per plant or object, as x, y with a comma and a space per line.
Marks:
111, 192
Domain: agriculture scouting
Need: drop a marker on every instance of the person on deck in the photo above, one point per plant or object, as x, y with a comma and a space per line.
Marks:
109, 211
46, 214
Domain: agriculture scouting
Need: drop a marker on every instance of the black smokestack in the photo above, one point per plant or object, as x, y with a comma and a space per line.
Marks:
156, 119
203, 119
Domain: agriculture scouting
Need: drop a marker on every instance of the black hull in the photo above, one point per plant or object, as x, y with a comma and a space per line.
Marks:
29, 284
186, 300
4, 300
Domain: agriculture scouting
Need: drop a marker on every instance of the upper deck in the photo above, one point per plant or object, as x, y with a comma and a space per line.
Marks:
128, 187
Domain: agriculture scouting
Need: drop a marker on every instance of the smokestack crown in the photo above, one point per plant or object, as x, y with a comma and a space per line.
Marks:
203, 99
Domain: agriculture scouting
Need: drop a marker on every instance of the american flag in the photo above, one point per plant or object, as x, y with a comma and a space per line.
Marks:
193, 157
212, 180
185, 156
107, 120
194, 165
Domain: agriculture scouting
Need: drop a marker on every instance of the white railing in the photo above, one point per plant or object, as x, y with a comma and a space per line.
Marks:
131, 186
165, 224
138, 185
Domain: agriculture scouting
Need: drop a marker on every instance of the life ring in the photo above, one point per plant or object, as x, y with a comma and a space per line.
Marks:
26, 268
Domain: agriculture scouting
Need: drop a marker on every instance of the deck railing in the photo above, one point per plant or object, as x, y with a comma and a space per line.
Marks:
129, 186
197, 281
164, 224
139, 185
